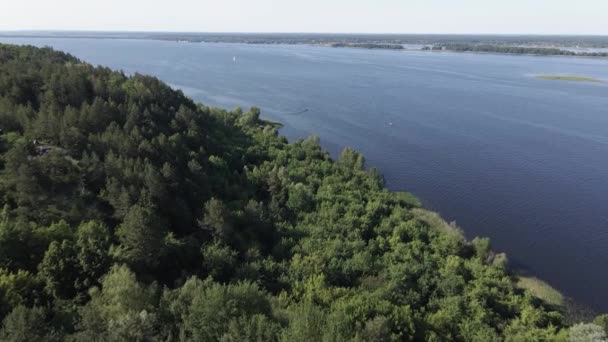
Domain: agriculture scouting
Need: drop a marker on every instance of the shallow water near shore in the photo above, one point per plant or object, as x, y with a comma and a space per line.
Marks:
477, 137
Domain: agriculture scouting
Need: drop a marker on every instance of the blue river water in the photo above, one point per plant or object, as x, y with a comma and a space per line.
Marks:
477, 137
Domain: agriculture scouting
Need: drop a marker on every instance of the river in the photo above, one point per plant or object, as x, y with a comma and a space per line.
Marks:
476, 136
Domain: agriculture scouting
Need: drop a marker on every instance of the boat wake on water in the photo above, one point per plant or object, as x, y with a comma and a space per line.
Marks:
299, 112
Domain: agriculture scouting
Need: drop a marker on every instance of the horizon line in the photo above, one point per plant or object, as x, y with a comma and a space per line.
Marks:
300, 32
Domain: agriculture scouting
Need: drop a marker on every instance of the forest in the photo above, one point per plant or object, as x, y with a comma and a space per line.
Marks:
131, 213
368, 46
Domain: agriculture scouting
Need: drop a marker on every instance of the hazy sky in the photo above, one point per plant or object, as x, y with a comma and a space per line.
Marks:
374, 16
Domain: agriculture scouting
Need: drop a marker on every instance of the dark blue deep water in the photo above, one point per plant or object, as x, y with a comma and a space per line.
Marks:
477, 137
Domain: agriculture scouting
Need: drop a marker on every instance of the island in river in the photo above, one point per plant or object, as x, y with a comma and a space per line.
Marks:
569, 78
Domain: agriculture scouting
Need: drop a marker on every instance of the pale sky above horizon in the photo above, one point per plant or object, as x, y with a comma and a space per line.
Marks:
354, 16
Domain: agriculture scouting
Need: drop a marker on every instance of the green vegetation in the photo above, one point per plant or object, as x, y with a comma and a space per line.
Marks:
568, 78
541, 290
586, 333
368, 46
511, 49
435, 221
130, 213
520, 50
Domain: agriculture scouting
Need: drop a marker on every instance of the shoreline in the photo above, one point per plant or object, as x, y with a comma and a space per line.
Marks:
301, 44
327, 44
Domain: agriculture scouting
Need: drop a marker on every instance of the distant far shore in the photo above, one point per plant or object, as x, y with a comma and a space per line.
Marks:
576, 46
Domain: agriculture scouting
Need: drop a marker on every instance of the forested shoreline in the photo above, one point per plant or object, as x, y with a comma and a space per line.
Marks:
550, 45
132, 213
516, 50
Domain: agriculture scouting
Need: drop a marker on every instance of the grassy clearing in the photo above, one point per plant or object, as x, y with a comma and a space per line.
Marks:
434, 220
407, 198
568, 78
541, 290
